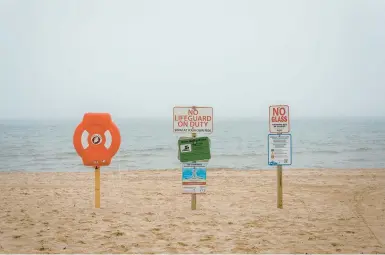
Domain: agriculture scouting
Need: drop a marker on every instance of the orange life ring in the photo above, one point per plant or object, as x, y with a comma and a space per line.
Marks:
96, 153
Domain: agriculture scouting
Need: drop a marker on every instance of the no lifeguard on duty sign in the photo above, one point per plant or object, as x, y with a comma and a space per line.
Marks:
193, 120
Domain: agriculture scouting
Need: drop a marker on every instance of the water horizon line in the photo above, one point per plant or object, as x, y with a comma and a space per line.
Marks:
216, 118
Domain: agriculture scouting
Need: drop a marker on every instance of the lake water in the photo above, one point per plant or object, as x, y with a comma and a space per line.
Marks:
242, 144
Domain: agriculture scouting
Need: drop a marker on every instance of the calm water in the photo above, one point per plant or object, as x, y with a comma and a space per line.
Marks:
242, 144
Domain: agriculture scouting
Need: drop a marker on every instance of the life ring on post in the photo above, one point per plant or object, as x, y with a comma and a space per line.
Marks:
96, 154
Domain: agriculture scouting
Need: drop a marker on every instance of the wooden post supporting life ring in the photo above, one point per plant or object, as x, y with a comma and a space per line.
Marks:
96, 154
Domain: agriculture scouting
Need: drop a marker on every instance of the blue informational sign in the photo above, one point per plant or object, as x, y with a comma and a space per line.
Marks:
279, 149
194, 177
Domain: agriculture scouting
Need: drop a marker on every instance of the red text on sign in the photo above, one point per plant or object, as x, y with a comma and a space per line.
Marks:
192, 119
279, 115
192, 124
193, 112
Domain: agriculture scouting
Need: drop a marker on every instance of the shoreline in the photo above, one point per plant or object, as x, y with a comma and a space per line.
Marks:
285, 169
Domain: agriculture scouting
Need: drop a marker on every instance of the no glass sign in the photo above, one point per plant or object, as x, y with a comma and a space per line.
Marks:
279, 121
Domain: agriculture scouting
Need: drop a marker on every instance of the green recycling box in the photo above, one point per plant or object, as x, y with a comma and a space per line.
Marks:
194, 149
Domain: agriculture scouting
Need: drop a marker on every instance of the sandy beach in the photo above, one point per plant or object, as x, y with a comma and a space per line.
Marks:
328, 211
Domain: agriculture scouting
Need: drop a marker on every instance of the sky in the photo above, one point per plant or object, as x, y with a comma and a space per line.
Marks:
62, 58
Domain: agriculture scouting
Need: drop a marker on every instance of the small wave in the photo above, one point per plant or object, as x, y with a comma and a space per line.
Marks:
345, 150
144, 154
363, 149
251, 154
318, 152
69, 153
166, 148
325, 152
357, 160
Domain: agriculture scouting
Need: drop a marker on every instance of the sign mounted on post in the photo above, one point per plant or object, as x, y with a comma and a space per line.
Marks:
194, 177
194, 149
193, 120
279, 121
97, 153
279, 149
193, 152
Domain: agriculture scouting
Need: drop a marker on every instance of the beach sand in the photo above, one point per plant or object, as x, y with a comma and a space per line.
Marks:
328, 211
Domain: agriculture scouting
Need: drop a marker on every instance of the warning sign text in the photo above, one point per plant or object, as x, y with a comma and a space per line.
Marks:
279, 121
193, 119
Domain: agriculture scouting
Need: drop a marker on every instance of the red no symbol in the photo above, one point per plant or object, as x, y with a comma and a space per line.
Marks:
193, 112
279, 111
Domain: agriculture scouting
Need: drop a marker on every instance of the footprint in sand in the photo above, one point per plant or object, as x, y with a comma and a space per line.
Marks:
207, 238
156, 230
118, 233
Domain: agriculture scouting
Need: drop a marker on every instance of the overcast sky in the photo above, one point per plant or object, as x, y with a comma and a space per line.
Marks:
141, 58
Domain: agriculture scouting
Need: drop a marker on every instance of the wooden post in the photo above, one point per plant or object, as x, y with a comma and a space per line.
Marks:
279, 188
194, 195
97, 187
193, 201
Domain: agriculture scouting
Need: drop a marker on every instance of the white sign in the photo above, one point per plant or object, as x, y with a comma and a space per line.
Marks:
194, 177
279, 149
191, 189
279, 119
193, 120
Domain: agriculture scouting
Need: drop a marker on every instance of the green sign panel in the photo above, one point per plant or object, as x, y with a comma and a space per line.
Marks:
194, 149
